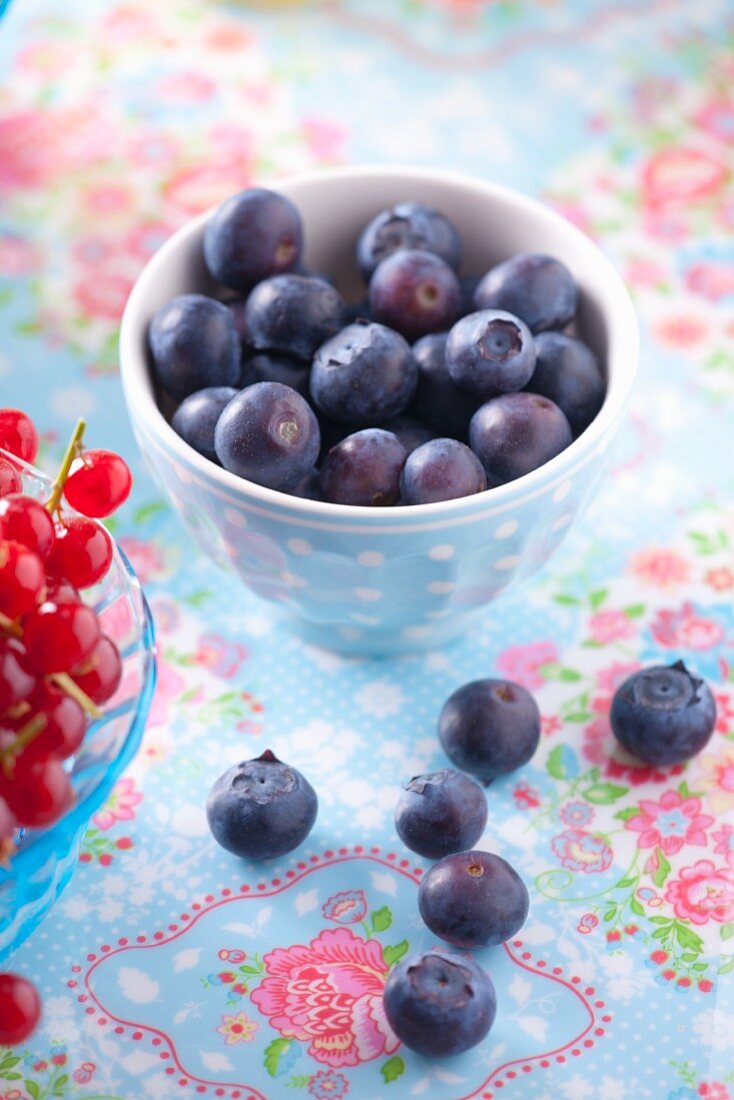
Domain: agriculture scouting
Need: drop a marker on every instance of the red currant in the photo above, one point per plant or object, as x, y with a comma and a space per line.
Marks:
20, 1009
59, 636
17, 678
10, 479
39, 792
22, 578
60, 591
65, 725
100, 674
82, 553
98, 483
25, 520
18, 434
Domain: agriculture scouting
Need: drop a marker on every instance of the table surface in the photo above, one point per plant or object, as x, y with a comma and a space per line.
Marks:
169, 967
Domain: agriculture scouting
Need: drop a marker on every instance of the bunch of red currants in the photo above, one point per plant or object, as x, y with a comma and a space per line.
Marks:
56, 665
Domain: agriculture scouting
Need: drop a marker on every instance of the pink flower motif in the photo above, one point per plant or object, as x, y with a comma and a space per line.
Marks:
147, 559
102, 293
18, 256
237, 1029
714, 1090
120, 806
677, 175
609, 679
724, 712
610, 626
720, 579
169, 685
523, 662
724, 838
328, 1085
645, 273
665, 224
108, 198
347, 907
151, 148
682, 332
575, 213
220, 655
718, 779
146, 238
660, 567
686, 628
549, 724
711, 280
577, 850
195, 188
601, 748
325, 139
28, 145
702, 893
717, 118
186, 87
670, 823
329, 994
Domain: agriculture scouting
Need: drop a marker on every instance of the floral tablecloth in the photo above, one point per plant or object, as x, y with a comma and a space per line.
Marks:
170, 968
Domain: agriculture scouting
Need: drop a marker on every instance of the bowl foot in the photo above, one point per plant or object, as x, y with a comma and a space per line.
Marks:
383, 641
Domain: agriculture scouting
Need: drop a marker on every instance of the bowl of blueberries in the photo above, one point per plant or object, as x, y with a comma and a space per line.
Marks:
379, 395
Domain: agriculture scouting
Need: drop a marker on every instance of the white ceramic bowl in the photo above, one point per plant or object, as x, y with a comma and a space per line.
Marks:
380, 580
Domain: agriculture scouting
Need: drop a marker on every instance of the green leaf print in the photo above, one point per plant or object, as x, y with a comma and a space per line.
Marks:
596, 599
395, 952
627, 813
555, 765
634, 610
392, 1069
636, 907
687, 938
274, 1052
298, 1082
567, 601
381, 919
603, 794
662, 870
727, 930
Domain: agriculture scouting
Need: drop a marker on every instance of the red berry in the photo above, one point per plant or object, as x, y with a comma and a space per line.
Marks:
100, 674
18, 434
105, 859
59, 636
17, 678
668, 975
26, 521
20, 1009
10, 479
22, 578
39, 791
659, 957
98, 483
65, 725
82, 553
85, 857
60, 591
123, 843
684, 982
705, 985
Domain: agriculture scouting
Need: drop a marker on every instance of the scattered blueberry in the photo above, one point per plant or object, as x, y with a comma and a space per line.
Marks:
276, 366
261, 808
566, 371
489, 727
664, 714
536, 288
196, 418
411, 433
439, 1004
442, 469
516, 433
269, 435
407, 225
364, 375
473, 899
251, 236
415, 293
293, 313
194, 344
440, 813
364, 469
438, 401
489, 353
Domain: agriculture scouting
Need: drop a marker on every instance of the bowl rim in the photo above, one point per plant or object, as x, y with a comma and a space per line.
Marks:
616, 305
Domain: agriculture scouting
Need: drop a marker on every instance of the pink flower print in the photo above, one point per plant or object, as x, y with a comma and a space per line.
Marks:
679, 175
29, 142
108, 198
576, 814
329, 994
348, 907
151, 148
724, 712
328, 1085
610, 626
670, 823
577, 850
720, 579
549, 724
93, 251
18, 256
686, 628
220, 655
120, 806
600, 748
609, 679
146, 238
724, 838
238, 1029
102, 294
147, 559
574, 212
666, 224
714, 1091
718, 779
717, 118
186, 87
169, 685
127, 23
682, 332
645, 273
325, 139
660, 567
711, 280
195, 188
523, 662
702, 893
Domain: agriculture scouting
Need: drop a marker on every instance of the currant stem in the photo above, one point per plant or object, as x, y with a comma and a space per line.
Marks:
71, 453
22, 739
10, 627
64, 681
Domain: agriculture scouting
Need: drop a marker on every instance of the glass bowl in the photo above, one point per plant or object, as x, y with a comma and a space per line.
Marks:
46, 858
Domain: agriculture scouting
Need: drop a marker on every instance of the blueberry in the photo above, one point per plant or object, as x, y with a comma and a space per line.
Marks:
442, 469
238, 309
411, 433
415, 293
261, 808
439, 1004
438, 400
489, 353
536, 288
196, 418
440, 813
364, 469
663, 715
489, 727
468, 285
566, 371
194, 344
251, 236
516, 433
364, 375
293, 313
269, 435
357, 311
473, 899
278, 367
407, 225
309, 487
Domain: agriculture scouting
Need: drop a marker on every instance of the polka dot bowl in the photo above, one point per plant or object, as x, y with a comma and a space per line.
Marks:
385, 580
